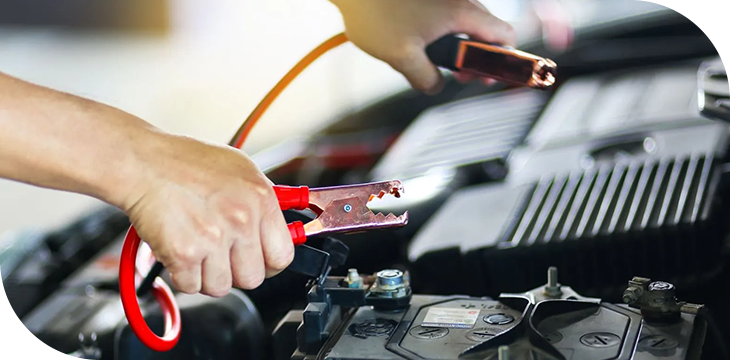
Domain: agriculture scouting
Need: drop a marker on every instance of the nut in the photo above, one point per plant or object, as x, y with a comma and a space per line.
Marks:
390, 283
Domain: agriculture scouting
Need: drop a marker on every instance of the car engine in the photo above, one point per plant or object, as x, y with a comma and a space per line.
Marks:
584, 222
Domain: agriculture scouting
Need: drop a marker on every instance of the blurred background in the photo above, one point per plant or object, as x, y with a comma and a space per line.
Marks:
194, 68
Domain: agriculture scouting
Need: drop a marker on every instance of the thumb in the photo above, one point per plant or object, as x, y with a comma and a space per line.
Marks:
420, 72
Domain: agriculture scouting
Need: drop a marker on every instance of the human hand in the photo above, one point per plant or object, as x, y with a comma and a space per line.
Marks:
398, 32
208, 214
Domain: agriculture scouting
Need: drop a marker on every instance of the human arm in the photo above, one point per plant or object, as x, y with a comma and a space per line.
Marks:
207, 212
209, 215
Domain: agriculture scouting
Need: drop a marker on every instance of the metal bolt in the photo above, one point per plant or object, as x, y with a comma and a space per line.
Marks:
352, 275
353, 279
693, 309
552, 276
631, 295
348, 208
390, 278
390, 283
552, 289
503, 352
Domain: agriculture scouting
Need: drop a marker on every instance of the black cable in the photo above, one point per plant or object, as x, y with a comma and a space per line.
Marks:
146, 285
714, 328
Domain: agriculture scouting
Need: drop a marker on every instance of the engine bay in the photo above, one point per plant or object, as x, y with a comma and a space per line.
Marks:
616, 180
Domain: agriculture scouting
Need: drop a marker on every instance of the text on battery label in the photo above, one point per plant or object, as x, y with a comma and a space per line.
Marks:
450, 317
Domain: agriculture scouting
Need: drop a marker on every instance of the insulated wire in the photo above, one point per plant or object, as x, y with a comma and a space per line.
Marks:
245, 129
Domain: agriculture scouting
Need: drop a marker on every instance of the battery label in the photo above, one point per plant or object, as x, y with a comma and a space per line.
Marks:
450, 318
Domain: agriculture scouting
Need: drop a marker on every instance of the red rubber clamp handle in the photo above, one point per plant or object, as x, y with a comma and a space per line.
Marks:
292, 197
296, 229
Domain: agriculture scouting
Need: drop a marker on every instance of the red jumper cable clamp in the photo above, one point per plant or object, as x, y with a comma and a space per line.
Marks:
339, 209
164, 295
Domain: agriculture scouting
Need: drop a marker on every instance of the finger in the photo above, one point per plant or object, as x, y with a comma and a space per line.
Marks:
276, 242
418, 69
483, 26
217, 279
247, 262
247, 265
182, 260
187, 280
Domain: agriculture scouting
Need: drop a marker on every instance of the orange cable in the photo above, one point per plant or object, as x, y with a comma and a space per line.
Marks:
252, 119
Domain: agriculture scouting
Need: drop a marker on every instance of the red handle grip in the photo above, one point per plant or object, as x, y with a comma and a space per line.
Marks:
296, 229
292, 197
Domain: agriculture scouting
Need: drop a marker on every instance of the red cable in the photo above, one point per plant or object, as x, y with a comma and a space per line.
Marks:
162, 292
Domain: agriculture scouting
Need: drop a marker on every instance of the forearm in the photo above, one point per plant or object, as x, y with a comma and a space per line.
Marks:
59, 141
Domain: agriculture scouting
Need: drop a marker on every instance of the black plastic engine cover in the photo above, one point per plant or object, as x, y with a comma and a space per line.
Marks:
468, 131
658, 215
621, 175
